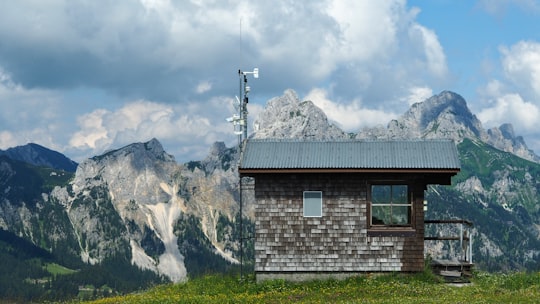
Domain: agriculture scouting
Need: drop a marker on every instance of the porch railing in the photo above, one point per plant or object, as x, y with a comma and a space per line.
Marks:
464, 237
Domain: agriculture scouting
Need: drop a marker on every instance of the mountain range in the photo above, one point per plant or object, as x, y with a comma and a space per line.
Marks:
178, 220
40, 156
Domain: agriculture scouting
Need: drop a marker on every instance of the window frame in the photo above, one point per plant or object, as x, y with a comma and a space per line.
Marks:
410, 205
304, 203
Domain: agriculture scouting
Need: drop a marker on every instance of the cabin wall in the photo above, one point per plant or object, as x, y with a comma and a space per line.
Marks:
338, 244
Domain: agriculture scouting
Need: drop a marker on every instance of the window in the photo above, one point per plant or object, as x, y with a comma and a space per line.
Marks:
312, 203
390, 205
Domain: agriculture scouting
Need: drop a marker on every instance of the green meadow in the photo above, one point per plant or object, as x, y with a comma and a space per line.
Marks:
387, 288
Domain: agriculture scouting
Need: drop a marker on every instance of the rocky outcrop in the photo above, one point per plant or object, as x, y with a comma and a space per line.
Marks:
503, 138
447, 116
129, 201
288, 117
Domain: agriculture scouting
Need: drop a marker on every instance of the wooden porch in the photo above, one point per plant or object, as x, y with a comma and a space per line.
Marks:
458, 269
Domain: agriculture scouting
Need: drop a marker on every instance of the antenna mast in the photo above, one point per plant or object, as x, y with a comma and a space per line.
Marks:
239, 121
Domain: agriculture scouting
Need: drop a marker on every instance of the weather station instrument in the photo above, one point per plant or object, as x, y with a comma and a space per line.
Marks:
239, 119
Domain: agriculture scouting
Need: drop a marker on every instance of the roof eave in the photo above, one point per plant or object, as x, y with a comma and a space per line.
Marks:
252, 171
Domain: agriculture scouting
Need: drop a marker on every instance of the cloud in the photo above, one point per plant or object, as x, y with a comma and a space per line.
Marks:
418, 94
92, 130
7, 140
203, 87
500, 7
29, 115
514, 97
185, 131
163, 68
129, 48
511, 107
83, 127
521, 65
435, 59
161, 50
350, 117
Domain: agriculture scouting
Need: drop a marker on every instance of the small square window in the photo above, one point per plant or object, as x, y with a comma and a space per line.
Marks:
312, 203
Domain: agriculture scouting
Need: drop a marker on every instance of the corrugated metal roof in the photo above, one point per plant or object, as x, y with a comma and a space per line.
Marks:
349, 154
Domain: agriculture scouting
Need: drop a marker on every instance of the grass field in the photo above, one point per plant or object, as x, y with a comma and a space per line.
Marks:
56, 269
389, 288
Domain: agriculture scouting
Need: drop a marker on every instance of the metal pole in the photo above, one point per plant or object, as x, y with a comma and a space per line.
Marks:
241, 233
243, 127
470, 248
461, 241
241, 106
244, 108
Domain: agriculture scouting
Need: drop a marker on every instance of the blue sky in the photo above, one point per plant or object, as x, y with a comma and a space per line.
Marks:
84, 77
471, 33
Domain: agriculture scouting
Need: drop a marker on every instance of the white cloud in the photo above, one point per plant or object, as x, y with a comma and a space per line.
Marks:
186, 130
434, 53
203, 87
493, 88
521, 64
7, 140
418, 94
370, 53
29, 115
92, 130
499, 7
514, 97
350, 117
512, 108
162, 50
367, 29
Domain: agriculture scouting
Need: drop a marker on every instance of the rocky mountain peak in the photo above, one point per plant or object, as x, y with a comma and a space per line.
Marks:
155, 147
441, 116
446, 104
447, 115
137, 181
218, 148
120, 168
504, 138
40, 156
288, 117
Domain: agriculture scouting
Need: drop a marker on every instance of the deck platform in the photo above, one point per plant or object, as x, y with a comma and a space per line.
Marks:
452, 271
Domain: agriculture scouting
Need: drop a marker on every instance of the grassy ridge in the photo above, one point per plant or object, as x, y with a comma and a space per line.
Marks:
390, 288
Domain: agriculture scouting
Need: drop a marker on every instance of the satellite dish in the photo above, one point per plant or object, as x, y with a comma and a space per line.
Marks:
256, 72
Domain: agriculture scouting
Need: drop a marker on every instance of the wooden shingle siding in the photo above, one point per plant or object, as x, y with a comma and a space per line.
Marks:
338, 241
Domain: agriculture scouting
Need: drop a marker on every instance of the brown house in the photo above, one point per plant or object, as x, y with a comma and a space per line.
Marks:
340, 208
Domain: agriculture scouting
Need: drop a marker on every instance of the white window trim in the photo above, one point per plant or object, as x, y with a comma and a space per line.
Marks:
304, 203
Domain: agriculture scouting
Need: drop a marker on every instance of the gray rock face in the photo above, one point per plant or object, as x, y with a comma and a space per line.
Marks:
441, 116
116, 198
503, 138
288, 117
129, 201
447, 116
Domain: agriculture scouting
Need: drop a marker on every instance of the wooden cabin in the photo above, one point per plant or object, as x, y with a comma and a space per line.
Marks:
340, 208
